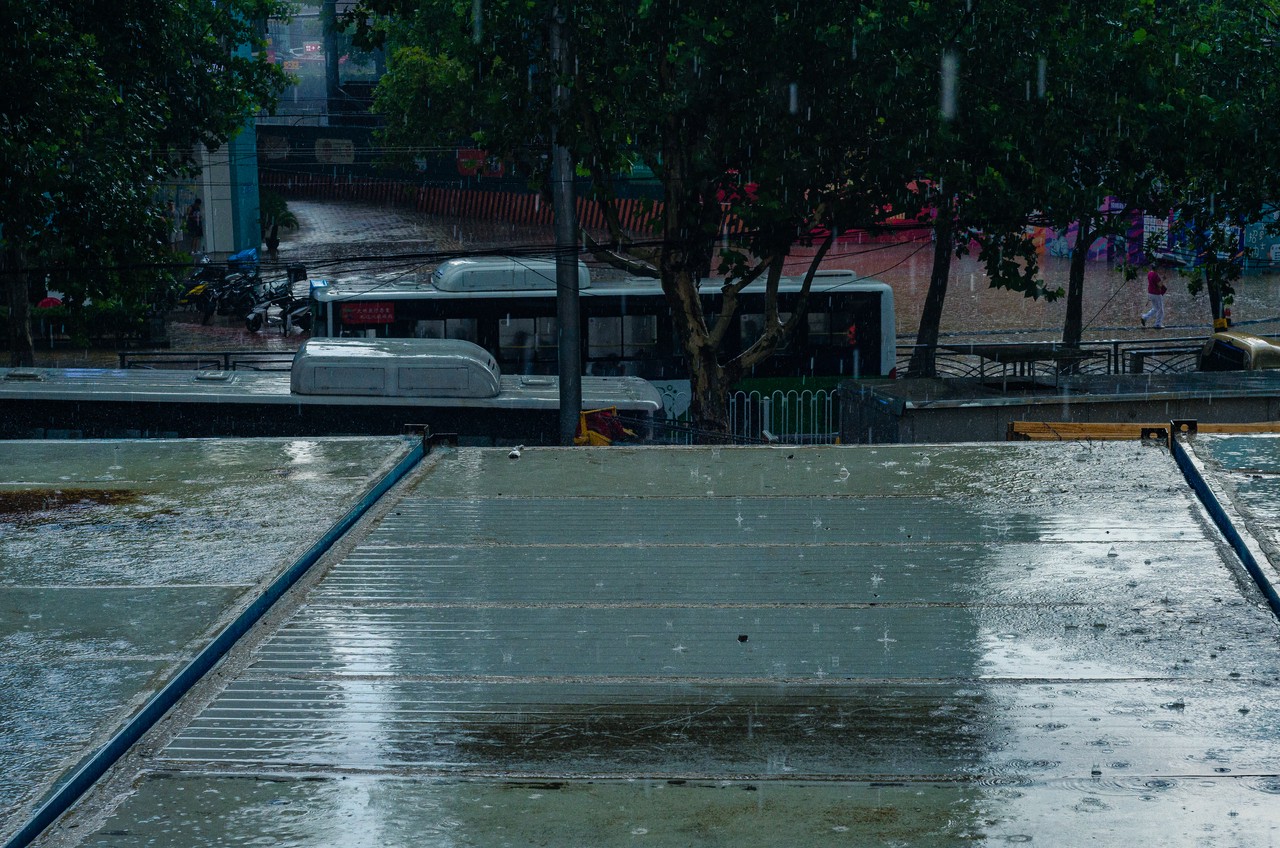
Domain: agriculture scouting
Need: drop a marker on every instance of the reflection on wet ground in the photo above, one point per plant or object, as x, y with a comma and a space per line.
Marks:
941, 645
117, 559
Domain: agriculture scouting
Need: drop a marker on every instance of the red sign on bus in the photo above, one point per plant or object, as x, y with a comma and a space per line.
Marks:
372, 312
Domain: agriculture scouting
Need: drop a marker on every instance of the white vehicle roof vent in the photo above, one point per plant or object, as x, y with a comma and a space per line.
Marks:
395, 368
501, 273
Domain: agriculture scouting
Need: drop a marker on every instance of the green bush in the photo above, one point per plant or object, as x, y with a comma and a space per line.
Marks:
110, 320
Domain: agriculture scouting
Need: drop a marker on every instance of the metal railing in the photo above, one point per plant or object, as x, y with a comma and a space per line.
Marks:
795, 417
208, 360
1122, 356
791, 416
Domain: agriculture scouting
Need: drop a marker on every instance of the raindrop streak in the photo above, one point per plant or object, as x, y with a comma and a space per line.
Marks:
950, 70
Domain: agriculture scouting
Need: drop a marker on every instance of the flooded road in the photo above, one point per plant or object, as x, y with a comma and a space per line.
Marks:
942, 645
1111, 304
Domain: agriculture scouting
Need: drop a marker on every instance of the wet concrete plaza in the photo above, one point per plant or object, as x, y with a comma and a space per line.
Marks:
915, 645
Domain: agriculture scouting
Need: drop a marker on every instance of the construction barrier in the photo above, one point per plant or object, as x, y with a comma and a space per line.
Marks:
1068, 431
634, 214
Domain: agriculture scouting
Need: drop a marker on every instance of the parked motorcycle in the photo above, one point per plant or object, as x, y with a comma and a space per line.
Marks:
223, 289
279, 305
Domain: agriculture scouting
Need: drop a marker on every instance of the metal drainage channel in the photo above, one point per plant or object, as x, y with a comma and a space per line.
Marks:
1192, 470
97, 765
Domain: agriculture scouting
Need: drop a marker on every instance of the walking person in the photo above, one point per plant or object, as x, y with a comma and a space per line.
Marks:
195, 225
175, 225
1155, 291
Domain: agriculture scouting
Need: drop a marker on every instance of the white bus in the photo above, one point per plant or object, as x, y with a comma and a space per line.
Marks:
508, 306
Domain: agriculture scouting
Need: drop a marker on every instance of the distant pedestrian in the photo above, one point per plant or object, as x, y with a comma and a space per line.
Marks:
194, 225
174, 221
273, 242
1155, 292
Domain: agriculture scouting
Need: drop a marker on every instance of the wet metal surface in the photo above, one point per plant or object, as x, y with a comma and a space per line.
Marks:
117, 559
360, 811
1249, 471
950, 645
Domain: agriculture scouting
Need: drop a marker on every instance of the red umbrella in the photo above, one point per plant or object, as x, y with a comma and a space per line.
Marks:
48, 303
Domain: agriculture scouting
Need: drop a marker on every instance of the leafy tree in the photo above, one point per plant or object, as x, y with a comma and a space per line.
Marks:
960, 104
104, 102
1147, 106
1092, 140
768, 111
1223, 172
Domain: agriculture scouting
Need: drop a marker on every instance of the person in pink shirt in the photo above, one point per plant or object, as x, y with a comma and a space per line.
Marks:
1155, 291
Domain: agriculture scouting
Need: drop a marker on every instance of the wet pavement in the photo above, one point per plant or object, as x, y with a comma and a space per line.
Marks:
942, 645
118, 559
1111, 306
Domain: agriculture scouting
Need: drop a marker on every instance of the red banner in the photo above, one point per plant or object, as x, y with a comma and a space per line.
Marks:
478, 163
372, 312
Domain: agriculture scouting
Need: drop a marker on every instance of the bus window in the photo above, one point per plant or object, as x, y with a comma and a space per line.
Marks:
820, 331
516, 344
605, 337
548, 343
753, 325
428, 330
640, 337
462, 328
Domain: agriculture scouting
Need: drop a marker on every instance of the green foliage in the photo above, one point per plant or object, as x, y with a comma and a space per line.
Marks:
104, 102
765, 109
273, 211
84, 325
797, 118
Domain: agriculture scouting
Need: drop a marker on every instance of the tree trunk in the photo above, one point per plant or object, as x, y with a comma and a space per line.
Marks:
1213, 286
709, 399
21, 347
924, 357
1073, 327
684, 255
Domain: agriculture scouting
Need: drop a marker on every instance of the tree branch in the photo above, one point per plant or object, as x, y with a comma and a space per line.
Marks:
640, 266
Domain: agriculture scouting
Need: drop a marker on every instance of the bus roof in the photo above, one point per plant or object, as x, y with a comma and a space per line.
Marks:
329, 292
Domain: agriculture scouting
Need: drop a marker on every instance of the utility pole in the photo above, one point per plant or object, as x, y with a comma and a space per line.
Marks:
566, 229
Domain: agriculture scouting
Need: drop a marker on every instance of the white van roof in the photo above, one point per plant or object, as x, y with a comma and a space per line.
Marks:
394, 368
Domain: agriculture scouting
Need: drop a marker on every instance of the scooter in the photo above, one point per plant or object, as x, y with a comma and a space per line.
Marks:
222, 289
293, 311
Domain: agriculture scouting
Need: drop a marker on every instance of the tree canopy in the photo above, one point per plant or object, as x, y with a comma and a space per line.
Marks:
104, 102
994, 115
770, 114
